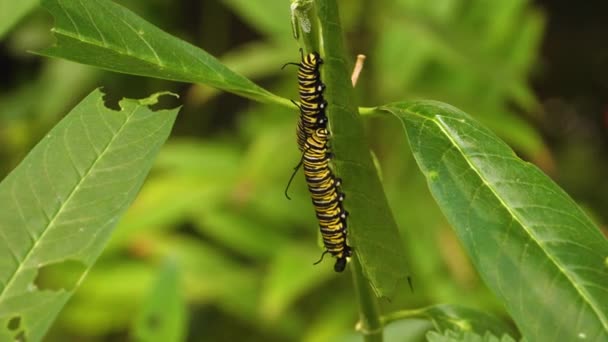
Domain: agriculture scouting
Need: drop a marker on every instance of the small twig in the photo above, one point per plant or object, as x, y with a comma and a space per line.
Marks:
357, 70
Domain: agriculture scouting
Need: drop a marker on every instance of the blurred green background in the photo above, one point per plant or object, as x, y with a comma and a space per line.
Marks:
535, 72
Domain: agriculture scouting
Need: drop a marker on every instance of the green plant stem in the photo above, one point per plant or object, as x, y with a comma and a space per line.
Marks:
370, 323
364, 111
404, 314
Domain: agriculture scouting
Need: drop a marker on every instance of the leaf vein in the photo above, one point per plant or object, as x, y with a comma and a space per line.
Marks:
443, 127
63, 206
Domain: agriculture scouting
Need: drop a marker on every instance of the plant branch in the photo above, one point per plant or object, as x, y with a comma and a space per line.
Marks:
370, 324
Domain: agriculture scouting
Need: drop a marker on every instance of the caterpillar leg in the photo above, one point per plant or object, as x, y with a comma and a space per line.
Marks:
322, 255
295, 171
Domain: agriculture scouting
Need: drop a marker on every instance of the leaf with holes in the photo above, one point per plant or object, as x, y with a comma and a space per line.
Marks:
106, 35
533, 246
59, 206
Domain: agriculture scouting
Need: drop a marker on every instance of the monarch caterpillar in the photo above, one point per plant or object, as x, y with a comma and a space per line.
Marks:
312, 138
312, 105
326, 197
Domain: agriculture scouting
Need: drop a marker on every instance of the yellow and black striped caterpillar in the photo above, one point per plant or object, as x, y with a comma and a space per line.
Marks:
326, 196
313, 141
312, 105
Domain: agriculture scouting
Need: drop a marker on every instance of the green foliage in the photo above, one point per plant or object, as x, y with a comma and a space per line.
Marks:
373, 233
78, 34
62, 202
108, 36
163, 317
12, 11
529, 241
453, 336
264, 18
249, 265
483, 50
214, 205
456, 318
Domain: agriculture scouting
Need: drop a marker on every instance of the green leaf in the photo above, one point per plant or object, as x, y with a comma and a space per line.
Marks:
451, 336
106, 35
454, 317
253, 60
412, 330
533, 246
372, 230
12, 11
62, 202
163, 317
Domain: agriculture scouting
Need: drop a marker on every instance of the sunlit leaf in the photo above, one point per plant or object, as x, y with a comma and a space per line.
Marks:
106, 35
62, 202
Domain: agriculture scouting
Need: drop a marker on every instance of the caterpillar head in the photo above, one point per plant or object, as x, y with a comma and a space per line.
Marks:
340, 264
316, 58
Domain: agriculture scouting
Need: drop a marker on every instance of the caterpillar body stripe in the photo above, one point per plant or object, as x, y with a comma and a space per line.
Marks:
323, 186
312, 105
326, 196
313, 141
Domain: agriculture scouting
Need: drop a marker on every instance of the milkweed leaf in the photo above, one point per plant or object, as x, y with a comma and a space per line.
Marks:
454, 317
62, 202
106, 35
373, 233
452, 336
532, 245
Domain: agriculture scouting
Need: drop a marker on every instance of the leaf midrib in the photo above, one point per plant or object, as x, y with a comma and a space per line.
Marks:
20, 268
113, 47
442, 126
181, 72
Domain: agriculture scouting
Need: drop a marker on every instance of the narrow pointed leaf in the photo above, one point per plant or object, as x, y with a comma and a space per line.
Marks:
373, 232
533, 246
59, 206
106, 35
